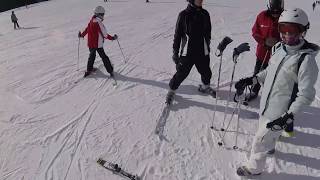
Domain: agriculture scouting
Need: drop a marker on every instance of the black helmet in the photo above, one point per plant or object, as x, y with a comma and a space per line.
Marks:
191, 1
275, 5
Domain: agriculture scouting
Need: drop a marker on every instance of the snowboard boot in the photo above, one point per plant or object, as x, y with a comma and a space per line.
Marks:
206, 89
243, 171
170, 97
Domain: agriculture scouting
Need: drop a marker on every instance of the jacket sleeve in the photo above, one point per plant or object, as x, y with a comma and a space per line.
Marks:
104, 31
261, 76
178, 33
208, 33
85, 32
307, 78
14, 18
256, 32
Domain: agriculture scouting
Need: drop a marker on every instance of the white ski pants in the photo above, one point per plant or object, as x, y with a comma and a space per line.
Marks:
264, 141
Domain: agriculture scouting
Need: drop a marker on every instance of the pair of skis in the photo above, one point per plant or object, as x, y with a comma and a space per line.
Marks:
116, 169
114, 83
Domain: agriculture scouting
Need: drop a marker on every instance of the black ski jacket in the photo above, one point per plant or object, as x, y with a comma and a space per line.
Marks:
193, 32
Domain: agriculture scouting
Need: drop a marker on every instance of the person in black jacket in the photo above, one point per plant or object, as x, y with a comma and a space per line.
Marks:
191, 46
14, 20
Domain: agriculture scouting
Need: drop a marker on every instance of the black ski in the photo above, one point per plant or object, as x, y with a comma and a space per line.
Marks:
116, 169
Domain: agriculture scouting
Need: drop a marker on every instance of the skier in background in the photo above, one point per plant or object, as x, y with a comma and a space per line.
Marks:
14, 20
313, 5
288, 86
191, 46
265, 32
96, 34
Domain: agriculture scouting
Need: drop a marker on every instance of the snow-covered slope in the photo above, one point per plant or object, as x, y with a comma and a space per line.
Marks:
55, 125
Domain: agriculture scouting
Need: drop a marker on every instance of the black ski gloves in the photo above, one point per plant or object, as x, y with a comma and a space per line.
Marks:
243, 83
240, 49
115, 37
223, 44
79, 34
281, 123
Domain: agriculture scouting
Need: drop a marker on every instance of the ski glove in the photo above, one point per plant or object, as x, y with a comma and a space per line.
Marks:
223, 44
115, 37
243, 83
240, 49
79, 35
281, 123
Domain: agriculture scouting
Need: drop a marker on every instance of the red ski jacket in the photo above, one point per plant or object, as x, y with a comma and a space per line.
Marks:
96, 33
265, 27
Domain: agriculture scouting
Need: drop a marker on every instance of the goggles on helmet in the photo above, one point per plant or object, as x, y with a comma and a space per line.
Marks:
289, 28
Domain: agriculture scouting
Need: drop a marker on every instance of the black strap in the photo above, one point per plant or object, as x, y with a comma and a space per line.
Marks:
295, 86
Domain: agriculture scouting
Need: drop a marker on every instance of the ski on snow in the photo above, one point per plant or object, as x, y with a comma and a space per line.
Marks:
161, 123
116, 169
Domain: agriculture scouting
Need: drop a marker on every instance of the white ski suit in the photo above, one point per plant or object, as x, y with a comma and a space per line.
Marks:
279, 79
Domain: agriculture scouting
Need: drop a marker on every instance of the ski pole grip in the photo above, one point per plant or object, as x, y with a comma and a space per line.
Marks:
240, 49
223, 44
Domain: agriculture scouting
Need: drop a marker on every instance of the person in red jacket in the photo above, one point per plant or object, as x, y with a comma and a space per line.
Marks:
265, 32
96, 34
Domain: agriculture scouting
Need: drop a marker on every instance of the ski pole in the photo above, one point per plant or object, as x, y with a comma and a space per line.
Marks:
260, 69
229, 96
236, 52
225, 130
264, 61
221, 47
237, 109
125, 61
238, 120
78, 54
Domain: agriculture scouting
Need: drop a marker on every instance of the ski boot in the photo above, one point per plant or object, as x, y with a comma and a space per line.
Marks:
207, 90
243, 171
87, 73
112, 75
170, 97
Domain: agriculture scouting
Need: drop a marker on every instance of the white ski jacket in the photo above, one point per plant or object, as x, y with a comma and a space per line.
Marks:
281, 75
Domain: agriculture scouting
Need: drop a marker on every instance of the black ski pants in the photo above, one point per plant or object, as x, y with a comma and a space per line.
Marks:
15, 24
184, 67
104, 57
257, 69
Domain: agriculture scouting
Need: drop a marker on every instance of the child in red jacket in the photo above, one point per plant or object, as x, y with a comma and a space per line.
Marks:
265, 32
96, 35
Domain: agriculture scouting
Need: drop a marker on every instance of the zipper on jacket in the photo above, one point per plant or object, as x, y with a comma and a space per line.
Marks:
278, 69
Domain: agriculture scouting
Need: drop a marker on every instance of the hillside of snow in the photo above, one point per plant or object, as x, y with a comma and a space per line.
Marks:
54, 125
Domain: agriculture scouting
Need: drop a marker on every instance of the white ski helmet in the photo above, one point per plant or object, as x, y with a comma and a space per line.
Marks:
275, 5
99, 10
296, 16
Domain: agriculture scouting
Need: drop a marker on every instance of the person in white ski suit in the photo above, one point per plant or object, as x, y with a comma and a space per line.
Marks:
286, 74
